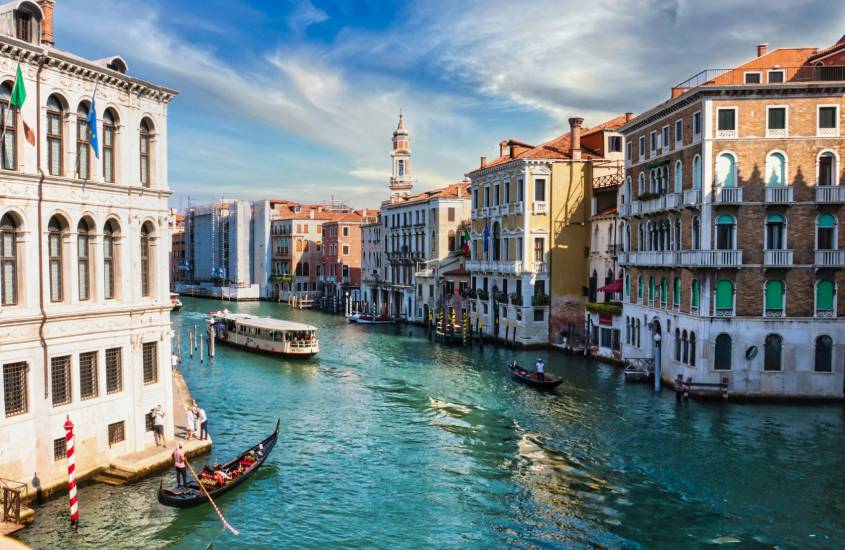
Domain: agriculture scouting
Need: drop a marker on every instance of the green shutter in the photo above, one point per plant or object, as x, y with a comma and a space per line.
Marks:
826, 221
695, 293
725, 219
677, 299
724, 295
640, 287
774, 295
824, 295
651, 288
664, 290
775, 218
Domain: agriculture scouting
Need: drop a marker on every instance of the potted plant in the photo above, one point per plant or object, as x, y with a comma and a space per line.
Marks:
516, 299
482, 294
540, 300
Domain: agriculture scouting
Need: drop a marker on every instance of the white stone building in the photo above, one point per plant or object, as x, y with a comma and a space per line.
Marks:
84, 271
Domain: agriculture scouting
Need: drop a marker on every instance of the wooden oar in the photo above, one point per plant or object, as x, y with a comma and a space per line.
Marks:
216, 509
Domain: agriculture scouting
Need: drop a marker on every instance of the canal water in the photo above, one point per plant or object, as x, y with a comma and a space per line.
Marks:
389, 441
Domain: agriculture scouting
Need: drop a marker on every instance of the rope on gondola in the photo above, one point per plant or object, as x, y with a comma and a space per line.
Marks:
216, 509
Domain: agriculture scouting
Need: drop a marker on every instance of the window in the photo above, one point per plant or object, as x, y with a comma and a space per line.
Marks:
775, 77
652, 140
775, 170
23, 25
679, 132
676, 296
344, 231
8, 147
664, 291
826, 232
146, 273
539, 314
772, 354
723, 352
145, 133
724, 298
629, 151
627, 285
60, 380
520, 190
774, 298
450, 241
539, 249
451, 211
775, 232
116, 433
828, 121
642, 147
88, 379
651, 291
827, 169
696, 172
401, 167
55, 114
695, 292
726, 170
665, 137
776, 122
679, 176
539, 190
150, 353
475, 198
825, 299
641, 183
677, 344
640, 288
692, 349
726, 123
83, 258
507, 192
109, 126
614, 144
55, 244
114, 370
109, 238
8, 260
696, 124
83, 142
345, 250
725, 233
752, 78
60, 448
824, 354
15, 396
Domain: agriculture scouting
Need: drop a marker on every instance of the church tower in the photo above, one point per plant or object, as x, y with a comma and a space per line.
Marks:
400, 181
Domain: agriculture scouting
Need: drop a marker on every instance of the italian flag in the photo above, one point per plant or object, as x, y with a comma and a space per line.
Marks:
17, 99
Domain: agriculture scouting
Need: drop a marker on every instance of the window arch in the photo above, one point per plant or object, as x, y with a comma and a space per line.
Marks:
695, 236
83, 142
628, 286
451, 240
84, 243
725, 232
145, 134
627, 197
146, 259
110, 122
111, 232
825, 299
827, 168
652, 290
695, 294
826, 232
775, 169
299, 245
774, 295
8, 148
641, 183
722, 359
775, 232
664, 291
724, 298
679, 176
676, 295
772, 356
824, 354
685, 345
677, 344
10, 227
640, 288
692, 349
696, 172
55, 133
497, 242
726, 170
56, 231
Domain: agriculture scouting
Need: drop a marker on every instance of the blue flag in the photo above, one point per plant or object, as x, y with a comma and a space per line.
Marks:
486, 237
92, 126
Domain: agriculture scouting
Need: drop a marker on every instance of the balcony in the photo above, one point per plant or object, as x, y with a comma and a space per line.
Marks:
735, 77
673, 201
711, 258
777, 258
495, 267
485, 211
624, 210
636, 208
538, 267
649, 258
504, 209
830, 258
540, 207
830, 193
692, 197
517, 208
614, 249
779, 194
494, 210
727, 195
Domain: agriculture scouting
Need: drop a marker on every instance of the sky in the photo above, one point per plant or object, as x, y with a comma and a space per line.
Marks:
298, 99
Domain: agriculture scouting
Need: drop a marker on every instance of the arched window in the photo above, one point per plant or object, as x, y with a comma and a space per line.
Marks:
146, 259
825, 299
55, 130
641, 183
401, 167
299, 245
56, 231
84, 232
664, 291
827, 169
627, 285
639, 327
696, 172
775, 170
679, 176
497, 242
7, 114
826, 232
677, 344
774, 298
651, 290
775, 232
695, 236
685, 344
640, 288
824, 354
677, 239
110, 236
627, 197
109, 131
451, 241
695, 294
145, 153
83, 142
726, 170
725, 233
724, 298
722, 360
434, 244
772, 355
9, 228
692, 349
676, 296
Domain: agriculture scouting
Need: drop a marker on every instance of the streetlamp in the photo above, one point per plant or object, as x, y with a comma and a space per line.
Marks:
657, 365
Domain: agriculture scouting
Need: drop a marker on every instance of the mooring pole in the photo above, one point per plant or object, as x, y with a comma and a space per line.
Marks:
71, 474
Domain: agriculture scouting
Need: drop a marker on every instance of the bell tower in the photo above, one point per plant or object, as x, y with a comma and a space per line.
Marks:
400, 180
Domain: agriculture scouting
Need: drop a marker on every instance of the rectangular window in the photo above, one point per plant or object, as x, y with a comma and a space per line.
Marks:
83, 266
629, 151
114, 370
150, 362
679, 131
54, 142
653, 142
614, 144
540, 190
642, 147
108, 152
83, 149
520, 190
775, 77
345, 231
88, 380
496, 198
451, 211
346, 250
60, 380
752, 78
665, 137
15, 396
59, 449
116, 433
726, 120
776, 119
539, 251
828, 121
696, 124
539, 314
23, 26
507, 196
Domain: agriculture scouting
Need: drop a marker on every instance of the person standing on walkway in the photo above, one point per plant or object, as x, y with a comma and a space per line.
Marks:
202, 420
190, 423
179, 463
158, 425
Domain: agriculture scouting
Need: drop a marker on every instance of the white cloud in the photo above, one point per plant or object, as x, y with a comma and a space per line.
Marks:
304, 15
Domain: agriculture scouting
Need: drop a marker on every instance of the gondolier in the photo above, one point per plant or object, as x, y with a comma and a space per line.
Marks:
179, 463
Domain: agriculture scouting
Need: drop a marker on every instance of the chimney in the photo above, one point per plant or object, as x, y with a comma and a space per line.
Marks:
761, 49
503, 146
47, 23
628, 117
575, 137
311, 214
460, 191
483, 162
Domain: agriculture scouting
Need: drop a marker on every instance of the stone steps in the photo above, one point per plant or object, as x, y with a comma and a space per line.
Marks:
114, 476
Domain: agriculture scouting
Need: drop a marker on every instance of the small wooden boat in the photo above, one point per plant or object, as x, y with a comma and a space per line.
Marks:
353, 318
264, 334
530, 378
192, 495
374, 320
175, 302
455, 338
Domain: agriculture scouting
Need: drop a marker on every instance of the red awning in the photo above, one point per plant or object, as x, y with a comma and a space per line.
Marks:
615, 286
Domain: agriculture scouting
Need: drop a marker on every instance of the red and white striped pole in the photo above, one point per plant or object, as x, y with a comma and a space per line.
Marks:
71, 476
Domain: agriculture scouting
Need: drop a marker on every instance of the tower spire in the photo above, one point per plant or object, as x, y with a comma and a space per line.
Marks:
400, 180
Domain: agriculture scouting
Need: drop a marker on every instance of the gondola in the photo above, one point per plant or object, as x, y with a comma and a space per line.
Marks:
527, 377
193, 494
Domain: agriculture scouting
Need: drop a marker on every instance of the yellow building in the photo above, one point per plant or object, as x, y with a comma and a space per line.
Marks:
531, 211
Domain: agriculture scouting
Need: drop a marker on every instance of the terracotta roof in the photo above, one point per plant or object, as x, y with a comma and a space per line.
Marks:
448, 192
830, 49
608, 212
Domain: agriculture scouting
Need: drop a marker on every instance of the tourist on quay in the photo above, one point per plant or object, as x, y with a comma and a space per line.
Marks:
202, 420
540, 369
158, 425
179, 463
190, 422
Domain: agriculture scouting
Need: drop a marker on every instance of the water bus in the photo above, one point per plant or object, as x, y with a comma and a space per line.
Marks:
264, 334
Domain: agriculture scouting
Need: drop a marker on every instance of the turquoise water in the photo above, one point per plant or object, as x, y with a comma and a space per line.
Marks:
389, 441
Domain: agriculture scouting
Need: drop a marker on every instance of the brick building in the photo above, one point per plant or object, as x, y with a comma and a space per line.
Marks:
340, 272
732, 201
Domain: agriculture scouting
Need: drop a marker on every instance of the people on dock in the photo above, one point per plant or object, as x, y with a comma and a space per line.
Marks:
190, 423
158, 425
540, 369
178, 457
202, 420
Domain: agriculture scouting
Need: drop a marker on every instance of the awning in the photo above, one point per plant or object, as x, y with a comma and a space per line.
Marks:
615, 286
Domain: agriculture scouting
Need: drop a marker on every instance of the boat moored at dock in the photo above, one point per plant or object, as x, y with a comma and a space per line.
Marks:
265, 334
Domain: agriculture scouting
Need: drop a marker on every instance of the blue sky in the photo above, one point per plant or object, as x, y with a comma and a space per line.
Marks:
298, 99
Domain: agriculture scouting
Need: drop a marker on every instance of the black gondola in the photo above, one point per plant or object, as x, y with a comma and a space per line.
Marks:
527, 377
192, 495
